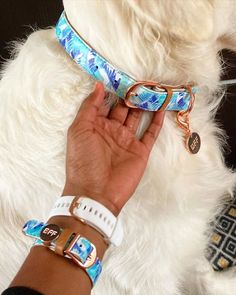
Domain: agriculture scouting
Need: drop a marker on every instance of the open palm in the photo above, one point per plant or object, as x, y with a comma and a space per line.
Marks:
105, 160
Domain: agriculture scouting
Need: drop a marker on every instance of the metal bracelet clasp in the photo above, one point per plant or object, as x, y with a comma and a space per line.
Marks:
75, 204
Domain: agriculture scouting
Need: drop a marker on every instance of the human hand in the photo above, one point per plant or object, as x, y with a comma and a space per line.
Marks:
105, 161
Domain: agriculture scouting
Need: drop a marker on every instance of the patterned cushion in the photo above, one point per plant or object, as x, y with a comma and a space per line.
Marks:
221, 251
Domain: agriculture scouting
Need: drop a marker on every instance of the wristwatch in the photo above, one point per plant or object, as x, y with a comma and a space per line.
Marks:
92, 213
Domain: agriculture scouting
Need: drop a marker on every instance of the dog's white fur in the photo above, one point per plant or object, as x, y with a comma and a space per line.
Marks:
174, 42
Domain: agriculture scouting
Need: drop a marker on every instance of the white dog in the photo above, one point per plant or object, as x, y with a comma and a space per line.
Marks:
172, 42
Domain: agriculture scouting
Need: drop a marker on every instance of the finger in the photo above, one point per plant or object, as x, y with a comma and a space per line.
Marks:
153, 130
104, 110
90, 107
133, 119
119, 113
106, 106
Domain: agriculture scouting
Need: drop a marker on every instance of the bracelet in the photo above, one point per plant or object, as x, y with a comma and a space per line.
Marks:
66, 243
92, 213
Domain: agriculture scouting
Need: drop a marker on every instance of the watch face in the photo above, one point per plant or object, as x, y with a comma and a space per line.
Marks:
50, 233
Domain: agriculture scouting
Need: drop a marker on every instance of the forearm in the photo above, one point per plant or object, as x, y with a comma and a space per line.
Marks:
106, 166
52, 274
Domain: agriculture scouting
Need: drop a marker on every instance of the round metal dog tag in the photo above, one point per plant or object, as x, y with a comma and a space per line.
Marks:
193, 143
50, 232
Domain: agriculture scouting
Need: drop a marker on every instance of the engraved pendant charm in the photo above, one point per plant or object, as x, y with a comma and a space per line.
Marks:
193, 140
50, 233
193, 143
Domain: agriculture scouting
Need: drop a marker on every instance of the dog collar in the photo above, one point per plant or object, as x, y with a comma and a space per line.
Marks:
135, 93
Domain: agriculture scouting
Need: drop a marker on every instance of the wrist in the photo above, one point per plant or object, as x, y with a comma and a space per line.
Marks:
72, 190
69, 222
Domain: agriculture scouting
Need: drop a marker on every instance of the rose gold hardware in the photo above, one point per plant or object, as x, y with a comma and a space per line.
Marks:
74, 205
193, 141
169, 89
89, 261
50, 233
62, 240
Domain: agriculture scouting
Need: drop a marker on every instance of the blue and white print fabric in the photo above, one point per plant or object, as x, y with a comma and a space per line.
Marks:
81, 249
32, 228
114, 79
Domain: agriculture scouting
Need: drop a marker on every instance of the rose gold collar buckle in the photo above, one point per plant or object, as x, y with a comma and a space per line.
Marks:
131, 92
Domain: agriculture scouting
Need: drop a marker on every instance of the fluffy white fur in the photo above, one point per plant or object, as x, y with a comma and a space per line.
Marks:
174, 42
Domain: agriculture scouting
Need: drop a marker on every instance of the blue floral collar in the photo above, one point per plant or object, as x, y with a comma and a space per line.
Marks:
133, 92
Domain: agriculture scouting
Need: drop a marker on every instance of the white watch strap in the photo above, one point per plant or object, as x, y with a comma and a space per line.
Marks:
92, 213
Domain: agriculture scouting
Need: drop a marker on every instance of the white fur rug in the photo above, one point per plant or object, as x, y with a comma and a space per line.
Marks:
172, 42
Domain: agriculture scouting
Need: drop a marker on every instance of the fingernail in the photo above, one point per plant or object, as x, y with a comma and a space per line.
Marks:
99, 87
98, 84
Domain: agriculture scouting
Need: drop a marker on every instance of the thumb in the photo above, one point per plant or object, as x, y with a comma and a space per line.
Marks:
90, 107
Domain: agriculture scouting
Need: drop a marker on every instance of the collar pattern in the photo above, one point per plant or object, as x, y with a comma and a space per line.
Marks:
114, 79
